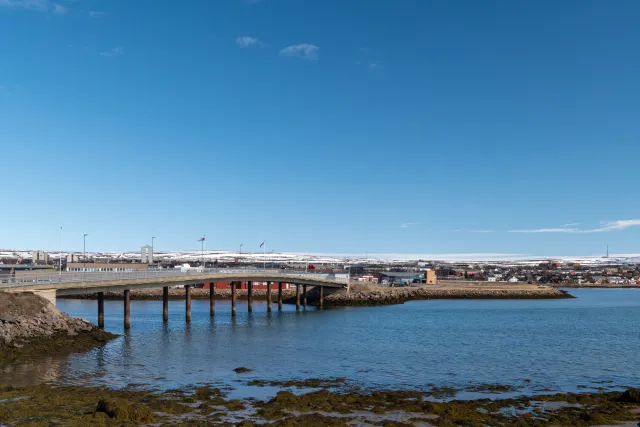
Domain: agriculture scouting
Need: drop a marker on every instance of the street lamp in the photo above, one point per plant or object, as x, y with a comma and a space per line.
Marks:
84, 254
241, 245
202, 250
152, 239
60, 266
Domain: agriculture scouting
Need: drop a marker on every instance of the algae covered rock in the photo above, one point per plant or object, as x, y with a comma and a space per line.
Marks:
630, 396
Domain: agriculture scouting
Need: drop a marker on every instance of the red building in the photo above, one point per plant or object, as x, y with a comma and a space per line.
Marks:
243, 285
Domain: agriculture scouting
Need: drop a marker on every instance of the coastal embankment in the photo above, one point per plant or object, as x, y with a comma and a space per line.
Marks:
30, 324
178, 294
362, 294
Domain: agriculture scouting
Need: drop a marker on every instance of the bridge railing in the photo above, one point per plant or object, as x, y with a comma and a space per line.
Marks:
9, 281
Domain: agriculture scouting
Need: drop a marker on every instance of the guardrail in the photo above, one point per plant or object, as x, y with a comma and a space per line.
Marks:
103, 276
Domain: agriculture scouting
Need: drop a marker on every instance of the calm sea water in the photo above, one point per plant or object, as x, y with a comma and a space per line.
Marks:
557, 344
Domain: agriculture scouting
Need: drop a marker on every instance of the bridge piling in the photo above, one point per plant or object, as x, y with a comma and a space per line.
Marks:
250, 296
233, 299
268, 297
187, 298
279, 296
212, 303
297, 297
304, 296
127, 309
321, 297
101, 310
165, 303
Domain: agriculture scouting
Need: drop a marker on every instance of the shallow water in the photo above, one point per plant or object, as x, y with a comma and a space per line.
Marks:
560, 345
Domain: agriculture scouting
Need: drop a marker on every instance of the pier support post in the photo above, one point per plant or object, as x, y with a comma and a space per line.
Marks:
268, 297
187, 300
304, 296
250, 296
212, 303
233, 299
279, 296
165, 303
321, 297
101, 310
297, 297
127, 309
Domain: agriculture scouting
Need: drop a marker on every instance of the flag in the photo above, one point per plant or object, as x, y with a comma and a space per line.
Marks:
201, 240
262, 244
312, 267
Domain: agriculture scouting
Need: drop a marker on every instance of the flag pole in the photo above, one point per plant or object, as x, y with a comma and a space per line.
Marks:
264, 248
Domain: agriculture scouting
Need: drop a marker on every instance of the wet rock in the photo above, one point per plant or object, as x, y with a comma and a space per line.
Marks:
630, 396
107, 407
241, 370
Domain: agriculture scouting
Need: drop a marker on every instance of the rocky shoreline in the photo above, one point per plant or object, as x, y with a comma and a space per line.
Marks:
359, 294
30, 324
373, 295
178, 294
331, 403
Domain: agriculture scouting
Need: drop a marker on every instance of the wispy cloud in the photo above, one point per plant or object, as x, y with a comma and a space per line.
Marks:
303, 51
96, 14
606, 226
116, 51
571, 224
35, 6
408, 224
249, 41
546, 230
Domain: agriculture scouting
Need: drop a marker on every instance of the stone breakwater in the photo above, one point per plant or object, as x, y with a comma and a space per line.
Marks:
29, 322
374, 295
196, 293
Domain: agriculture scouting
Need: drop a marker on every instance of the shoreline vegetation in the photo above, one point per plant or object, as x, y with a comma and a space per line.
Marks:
314, 402
361, 294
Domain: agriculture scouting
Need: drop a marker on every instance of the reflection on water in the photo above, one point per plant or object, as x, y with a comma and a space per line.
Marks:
44, 370
559, 344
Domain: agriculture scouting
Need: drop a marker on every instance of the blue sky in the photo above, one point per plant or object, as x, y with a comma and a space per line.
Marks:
333, 126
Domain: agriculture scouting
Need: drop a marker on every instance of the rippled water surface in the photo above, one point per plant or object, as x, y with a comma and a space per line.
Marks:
558, 344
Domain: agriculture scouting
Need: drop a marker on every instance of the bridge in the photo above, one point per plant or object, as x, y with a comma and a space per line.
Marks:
75, 283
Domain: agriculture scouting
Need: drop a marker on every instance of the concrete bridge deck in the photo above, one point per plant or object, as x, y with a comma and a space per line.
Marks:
74, 283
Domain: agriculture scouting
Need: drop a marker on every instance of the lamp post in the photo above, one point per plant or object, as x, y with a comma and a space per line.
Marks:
84, 254
202, 250
60, 266
241, 245
152, 239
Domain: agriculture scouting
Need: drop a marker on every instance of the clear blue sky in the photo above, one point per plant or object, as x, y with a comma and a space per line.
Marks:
334, 126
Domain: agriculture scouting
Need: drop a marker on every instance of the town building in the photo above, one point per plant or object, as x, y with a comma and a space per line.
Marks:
147, 255
80, 266
39, 257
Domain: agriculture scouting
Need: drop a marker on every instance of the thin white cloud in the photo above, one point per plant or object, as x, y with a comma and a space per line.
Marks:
571, 224
116, 51
547, 230
408, 224
606, 226
482, 231
35, 6
249, 41
96, 14
303, 51
620, 224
